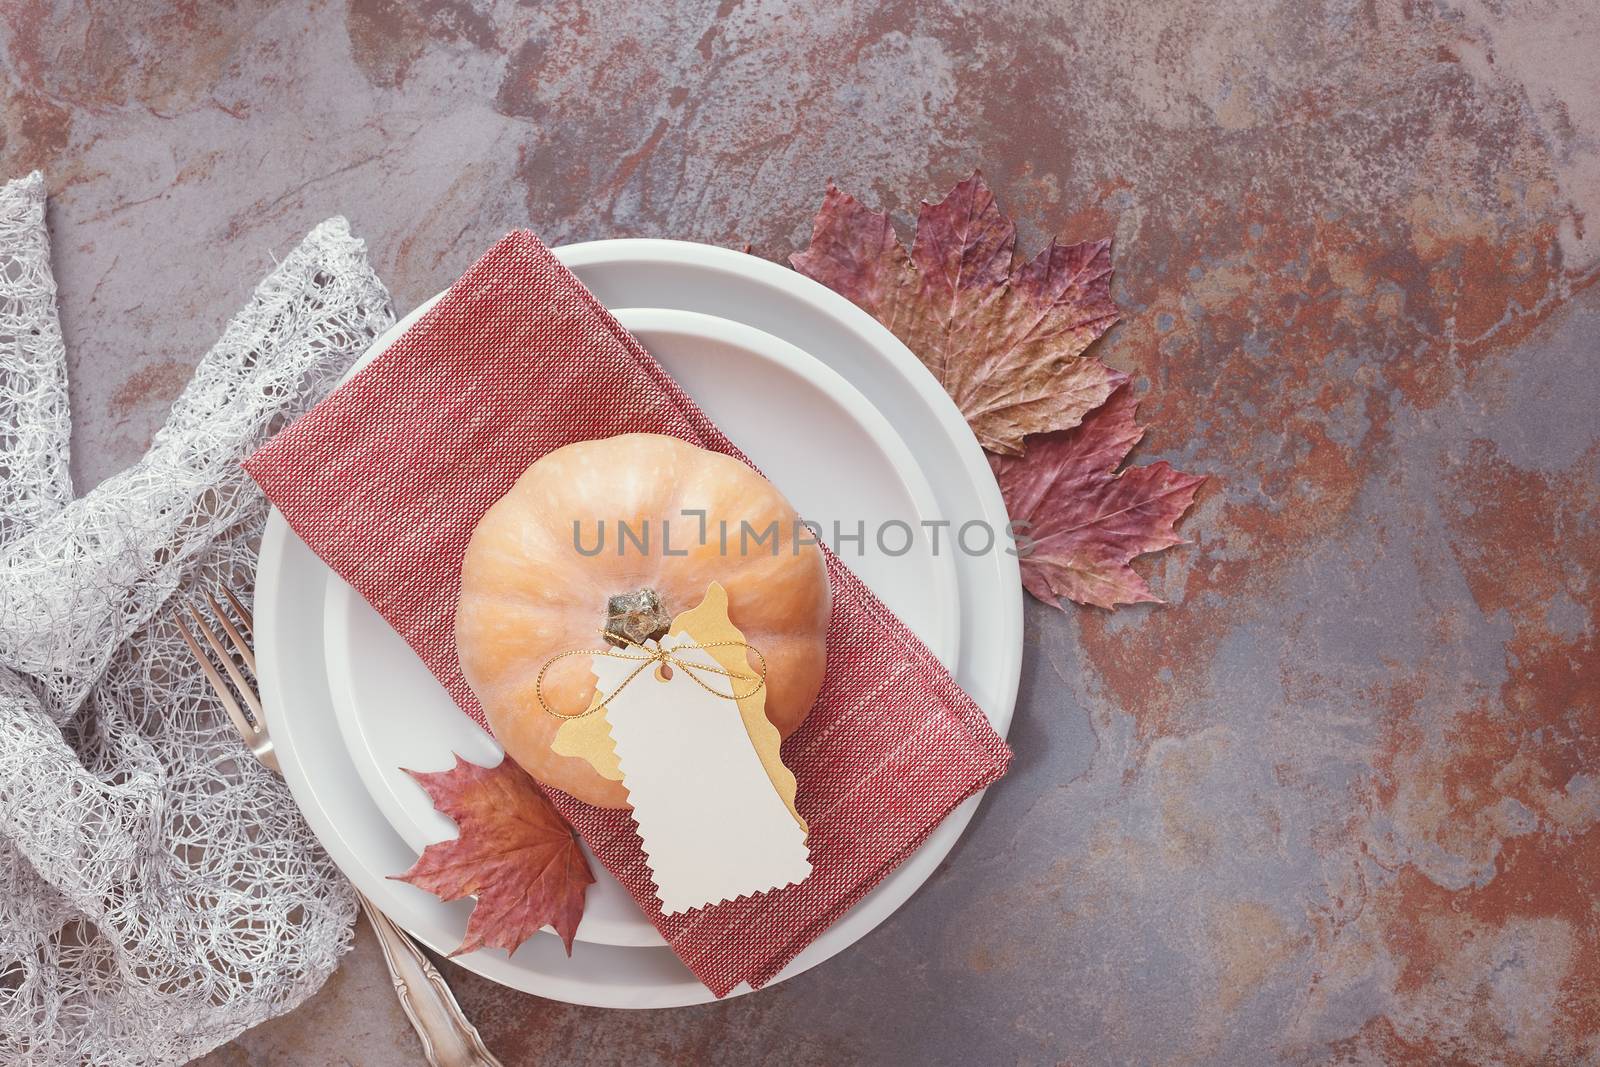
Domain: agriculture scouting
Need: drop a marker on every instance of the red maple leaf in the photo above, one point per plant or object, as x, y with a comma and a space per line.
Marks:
515, 853
1008, 341
1085, 519
1005, 338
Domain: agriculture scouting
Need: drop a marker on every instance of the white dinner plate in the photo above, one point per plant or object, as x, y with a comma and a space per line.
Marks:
833, 455
666, 274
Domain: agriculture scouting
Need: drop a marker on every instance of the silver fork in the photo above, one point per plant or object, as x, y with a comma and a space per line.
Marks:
448, 1039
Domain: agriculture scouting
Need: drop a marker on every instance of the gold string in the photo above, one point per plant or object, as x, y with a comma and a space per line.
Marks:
664, 657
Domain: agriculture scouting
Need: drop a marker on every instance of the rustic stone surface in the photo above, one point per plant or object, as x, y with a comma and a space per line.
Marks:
1337, 802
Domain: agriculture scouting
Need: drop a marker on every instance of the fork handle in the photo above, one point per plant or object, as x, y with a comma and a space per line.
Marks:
448, 1039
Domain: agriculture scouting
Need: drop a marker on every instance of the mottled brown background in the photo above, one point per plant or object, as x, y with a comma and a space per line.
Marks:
1338, 802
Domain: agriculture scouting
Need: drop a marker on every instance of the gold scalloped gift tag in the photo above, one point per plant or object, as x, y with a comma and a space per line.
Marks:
588, 737
683, 722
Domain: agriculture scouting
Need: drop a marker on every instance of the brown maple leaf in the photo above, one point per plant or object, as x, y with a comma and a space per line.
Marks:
1086, 520
1005, 339
515, 853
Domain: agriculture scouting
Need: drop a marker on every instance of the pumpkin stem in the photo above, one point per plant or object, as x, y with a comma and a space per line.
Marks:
636, 617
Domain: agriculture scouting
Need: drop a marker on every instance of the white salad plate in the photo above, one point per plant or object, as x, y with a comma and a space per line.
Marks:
292, 595
798, 421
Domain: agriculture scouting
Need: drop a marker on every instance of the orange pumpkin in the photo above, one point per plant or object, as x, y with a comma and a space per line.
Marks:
534, 585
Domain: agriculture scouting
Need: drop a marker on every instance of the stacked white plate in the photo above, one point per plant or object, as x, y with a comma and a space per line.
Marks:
841, 417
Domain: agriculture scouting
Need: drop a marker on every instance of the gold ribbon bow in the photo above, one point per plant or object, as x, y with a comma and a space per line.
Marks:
648, 656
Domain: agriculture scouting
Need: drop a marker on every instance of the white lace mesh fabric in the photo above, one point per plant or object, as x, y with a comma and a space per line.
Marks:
159, 891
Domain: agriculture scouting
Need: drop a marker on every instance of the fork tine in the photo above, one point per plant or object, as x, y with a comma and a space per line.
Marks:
245, 618
235, 713
240, 645
244, 687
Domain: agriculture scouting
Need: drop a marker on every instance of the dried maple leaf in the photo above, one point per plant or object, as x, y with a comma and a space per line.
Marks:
1086, 521
1006, 340
514, 853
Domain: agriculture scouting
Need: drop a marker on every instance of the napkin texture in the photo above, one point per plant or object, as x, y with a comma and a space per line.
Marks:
386, 478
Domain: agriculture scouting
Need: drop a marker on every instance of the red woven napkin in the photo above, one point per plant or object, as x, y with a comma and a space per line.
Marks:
386, 478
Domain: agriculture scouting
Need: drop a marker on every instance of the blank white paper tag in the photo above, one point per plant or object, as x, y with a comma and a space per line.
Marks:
713, 826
